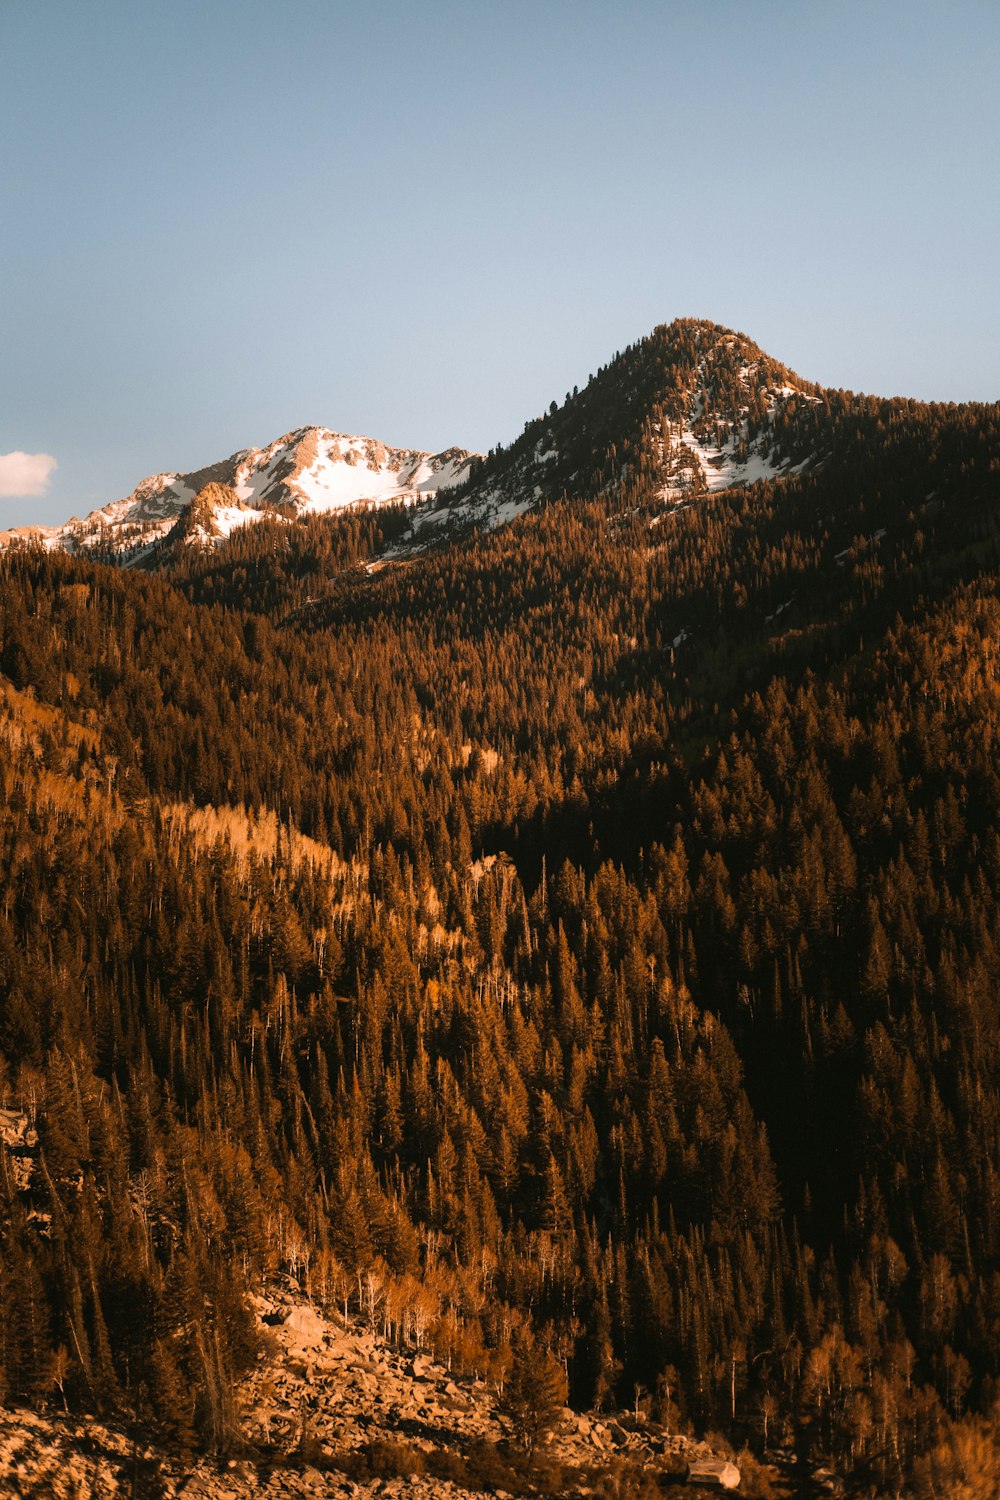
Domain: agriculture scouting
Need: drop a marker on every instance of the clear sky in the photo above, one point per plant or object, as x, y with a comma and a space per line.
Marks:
222, 219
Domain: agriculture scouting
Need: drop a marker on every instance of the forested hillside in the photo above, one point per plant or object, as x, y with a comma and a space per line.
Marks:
584, 935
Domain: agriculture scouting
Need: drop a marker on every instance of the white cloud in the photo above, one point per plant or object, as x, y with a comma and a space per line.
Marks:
25, 473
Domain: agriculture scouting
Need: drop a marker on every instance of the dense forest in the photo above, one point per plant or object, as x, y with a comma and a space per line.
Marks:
585, 933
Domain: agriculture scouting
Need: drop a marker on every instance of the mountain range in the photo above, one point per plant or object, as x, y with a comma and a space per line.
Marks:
699, 406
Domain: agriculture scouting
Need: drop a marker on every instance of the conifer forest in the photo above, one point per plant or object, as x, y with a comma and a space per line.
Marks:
581, 935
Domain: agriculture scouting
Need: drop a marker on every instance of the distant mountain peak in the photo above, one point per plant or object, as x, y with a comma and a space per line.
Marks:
305, 472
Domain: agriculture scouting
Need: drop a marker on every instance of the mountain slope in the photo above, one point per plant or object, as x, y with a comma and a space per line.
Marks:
378, 1412
575, 944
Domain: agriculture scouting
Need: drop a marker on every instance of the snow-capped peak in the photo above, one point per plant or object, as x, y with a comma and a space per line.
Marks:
305, 472
314, 469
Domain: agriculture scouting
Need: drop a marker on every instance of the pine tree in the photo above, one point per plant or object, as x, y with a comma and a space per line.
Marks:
533, 1395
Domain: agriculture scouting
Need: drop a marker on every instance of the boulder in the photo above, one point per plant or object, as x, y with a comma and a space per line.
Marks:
306, 1327
720, 1473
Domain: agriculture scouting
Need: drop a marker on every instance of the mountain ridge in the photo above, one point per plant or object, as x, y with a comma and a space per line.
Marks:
691, 410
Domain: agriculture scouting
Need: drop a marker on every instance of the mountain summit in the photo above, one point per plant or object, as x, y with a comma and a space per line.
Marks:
691, 409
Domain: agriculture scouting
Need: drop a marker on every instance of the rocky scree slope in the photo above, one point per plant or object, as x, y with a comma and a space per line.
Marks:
326, 1392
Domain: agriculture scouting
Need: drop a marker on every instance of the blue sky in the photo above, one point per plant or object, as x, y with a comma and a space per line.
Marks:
224, 219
